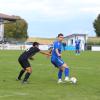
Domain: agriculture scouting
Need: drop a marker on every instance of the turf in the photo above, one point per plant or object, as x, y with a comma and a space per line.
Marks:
43, 81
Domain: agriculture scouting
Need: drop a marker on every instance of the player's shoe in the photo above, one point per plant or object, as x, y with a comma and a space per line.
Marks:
17, 79
24, 82
59, 81
76, 54
67, 79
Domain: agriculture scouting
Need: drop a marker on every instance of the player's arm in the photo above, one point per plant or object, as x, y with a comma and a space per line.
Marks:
45, 53
57, 52
31, 58
50, 50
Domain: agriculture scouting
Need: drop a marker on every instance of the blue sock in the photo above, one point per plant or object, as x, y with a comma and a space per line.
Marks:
66, 72
60, 74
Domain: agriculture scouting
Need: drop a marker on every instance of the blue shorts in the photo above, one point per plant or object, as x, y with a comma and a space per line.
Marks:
57, 62
77, 48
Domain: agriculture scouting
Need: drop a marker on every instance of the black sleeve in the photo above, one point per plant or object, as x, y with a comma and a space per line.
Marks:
37, 49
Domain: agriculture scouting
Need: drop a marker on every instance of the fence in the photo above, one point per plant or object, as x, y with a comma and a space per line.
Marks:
20, 47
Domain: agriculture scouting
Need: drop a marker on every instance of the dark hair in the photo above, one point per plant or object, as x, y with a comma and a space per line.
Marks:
35, 43
60, 34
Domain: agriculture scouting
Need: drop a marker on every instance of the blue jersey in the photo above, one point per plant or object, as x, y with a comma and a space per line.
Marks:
55, 59
77, 43
56, 45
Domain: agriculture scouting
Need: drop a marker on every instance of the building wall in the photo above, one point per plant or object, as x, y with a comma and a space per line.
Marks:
71, 42
1, 31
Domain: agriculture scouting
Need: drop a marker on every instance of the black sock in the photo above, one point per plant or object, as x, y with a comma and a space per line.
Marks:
20, 74
27, 75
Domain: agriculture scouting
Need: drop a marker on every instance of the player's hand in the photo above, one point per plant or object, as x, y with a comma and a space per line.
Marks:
31, 58
48, 56
59, 55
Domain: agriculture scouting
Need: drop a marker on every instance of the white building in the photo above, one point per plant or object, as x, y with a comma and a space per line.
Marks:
70, 40
1, 30
4, 17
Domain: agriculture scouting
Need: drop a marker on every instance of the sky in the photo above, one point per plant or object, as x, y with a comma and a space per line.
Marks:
47, 18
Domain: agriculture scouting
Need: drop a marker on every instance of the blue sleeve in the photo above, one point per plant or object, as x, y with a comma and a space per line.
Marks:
56, 45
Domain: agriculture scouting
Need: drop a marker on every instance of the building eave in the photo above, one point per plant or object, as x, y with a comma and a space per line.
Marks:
8, 17
72, 35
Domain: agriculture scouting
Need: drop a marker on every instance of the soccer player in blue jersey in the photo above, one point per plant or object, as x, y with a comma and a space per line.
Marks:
57, 61
77, 46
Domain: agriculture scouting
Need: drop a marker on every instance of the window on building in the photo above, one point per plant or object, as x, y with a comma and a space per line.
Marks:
71, 41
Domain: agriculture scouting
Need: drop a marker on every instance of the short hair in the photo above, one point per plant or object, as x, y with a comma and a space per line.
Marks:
35, 43
60, 34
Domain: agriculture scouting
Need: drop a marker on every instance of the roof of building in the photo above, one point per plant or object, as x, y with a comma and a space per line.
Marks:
75, 35
7, 17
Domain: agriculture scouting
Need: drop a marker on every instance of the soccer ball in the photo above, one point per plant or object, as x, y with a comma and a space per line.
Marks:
73, 80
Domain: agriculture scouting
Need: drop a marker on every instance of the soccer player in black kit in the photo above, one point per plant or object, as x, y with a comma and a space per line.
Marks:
23, 60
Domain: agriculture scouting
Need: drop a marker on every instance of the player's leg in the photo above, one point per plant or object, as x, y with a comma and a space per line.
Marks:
54, 62
28, 70
78, 50
60, 71
75, 50
59, 63
66, 71
22, 70
28, 73
63, 66
21, 74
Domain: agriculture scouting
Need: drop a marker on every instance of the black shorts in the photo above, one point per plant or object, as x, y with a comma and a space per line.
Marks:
24, 63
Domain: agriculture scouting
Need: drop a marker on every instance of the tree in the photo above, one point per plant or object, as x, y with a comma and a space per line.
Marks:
16, 30
96, 25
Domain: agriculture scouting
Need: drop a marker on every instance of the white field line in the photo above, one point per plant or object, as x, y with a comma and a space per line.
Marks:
13, 94
6, 96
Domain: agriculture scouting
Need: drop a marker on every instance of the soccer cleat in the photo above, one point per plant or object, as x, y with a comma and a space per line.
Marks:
67, 79
17, 79
78, 53
24, 82
60, 81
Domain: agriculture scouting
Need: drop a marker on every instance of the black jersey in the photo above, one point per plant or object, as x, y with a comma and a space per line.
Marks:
29, 53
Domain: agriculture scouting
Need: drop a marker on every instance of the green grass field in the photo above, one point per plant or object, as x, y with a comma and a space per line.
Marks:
43, 81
